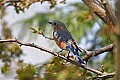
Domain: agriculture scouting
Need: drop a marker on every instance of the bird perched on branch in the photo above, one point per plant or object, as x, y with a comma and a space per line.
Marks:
64, 39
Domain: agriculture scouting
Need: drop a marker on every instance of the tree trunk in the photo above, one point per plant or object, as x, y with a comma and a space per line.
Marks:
117, 48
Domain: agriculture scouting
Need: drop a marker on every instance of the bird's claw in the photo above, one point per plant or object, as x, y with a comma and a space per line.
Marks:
67, 56
59, 52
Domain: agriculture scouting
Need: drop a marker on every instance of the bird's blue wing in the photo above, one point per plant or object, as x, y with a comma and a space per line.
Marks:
75, 54
65, 36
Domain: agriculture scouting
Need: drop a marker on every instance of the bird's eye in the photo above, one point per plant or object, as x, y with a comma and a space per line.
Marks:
55, 24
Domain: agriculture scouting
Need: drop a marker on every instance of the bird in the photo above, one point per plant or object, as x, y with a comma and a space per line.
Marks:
64, 39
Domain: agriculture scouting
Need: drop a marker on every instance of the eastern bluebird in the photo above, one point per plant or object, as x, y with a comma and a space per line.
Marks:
64, 39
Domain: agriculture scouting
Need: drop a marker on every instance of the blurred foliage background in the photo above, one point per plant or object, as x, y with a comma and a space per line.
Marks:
87, 29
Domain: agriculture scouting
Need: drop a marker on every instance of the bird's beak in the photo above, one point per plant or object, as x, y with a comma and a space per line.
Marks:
50, 22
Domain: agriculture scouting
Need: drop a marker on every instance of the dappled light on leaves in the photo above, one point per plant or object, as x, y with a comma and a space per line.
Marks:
59, 69
27, 72
8, 51
5, 68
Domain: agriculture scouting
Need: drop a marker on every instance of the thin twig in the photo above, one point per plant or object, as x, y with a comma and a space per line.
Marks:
46, 36
41, 33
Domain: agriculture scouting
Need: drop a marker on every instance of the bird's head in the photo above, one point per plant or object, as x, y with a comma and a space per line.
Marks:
56, 24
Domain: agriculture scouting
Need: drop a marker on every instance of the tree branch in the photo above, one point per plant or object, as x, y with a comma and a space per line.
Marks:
41, 33
97, 52
22, 4
101, 12
6, 1
98, 10
55, 54
103, 77
110, 12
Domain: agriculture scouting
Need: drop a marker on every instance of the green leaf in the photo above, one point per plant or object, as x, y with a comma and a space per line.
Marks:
5, 68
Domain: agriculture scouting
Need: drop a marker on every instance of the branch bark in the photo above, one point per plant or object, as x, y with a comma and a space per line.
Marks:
97, 52
101, 10
55, 54
117, 47
104, 77
111, 15
23, 3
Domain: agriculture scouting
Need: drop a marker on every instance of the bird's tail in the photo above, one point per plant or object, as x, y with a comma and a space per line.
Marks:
75, 54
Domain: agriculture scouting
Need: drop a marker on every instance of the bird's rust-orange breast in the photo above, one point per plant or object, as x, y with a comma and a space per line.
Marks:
62, 45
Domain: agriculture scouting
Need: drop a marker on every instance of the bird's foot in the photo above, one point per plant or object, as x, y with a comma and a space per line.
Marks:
68, 55
59, 52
